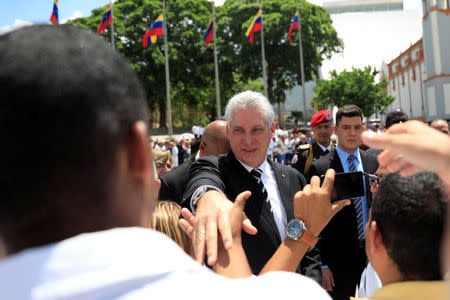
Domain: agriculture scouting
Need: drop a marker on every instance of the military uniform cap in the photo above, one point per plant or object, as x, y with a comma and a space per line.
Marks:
320, 117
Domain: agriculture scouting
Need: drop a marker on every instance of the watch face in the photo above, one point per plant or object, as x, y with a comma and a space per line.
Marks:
294, 228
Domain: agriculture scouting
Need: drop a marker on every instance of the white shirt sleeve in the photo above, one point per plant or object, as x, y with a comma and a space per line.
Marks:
175, 155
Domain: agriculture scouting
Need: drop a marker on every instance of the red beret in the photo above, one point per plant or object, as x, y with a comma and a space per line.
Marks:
321, 116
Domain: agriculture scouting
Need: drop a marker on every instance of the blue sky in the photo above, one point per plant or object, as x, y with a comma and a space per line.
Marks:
369, 38
39, 11
18, 12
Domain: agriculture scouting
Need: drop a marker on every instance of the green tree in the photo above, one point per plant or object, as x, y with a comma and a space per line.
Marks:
319, 41
353, 87
191, 63
191, 70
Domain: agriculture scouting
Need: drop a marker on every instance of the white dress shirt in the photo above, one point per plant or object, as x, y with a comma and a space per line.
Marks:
273, 195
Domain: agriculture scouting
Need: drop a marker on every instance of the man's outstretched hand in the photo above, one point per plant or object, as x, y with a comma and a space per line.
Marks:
213, 220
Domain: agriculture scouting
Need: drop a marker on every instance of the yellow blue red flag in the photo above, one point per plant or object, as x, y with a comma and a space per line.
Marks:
209, 34
255, 26
107, 18
294, 25
150, 37
54, 18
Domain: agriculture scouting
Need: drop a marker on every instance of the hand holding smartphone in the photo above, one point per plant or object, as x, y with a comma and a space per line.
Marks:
347, 185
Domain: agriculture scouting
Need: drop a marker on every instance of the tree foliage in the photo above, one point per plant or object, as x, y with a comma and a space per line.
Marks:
319, 41
353, 87
192, 64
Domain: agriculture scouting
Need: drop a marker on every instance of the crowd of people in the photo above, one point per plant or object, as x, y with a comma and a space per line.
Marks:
85, 192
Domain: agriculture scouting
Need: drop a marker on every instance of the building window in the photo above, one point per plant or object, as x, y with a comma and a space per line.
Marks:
414, 73
403, 79
393, 84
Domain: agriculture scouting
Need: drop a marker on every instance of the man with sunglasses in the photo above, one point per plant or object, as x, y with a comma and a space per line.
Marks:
342, 243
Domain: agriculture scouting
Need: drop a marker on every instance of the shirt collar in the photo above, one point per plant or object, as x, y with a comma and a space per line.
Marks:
325, 148
344, 155
262, 167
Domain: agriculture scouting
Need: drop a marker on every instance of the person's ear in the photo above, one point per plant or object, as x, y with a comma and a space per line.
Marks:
228, 131
139, 155
202, 149
334, 128
375, 239
272, 129
157, 187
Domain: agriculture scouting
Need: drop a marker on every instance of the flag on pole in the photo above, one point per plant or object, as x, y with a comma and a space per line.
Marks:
255, 26
150, 37
54, 18
294, 25
209, 34
107, 18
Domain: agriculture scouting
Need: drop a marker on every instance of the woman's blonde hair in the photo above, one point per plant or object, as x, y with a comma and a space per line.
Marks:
165, 219
160, 157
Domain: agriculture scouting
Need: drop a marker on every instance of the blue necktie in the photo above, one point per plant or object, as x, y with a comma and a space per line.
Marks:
357, 201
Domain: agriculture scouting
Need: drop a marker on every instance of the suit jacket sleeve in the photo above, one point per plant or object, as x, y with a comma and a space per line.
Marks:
164, 191
205, 171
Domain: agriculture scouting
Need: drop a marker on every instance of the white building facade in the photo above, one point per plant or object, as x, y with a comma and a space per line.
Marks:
419, 78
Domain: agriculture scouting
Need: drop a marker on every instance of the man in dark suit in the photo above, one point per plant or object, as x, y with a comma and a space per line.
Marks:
214, 142
215, 180
322, 127
342, 242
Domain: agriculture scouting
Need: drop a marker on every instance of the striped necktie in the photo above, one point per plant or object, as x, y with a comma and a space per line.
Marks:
357, 201
256, 173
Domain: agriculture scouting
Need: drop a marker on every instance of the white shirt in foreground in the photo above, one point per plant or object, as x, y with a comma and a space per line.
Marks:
134, 263
370, 282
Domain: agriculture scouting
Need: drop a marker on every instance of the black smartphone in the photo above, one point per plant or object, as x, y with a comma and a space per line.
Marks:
347, 185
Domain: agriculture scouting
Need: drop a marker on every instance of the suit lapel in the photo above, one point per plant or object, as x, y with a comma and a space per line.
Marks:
283, 187
335, 162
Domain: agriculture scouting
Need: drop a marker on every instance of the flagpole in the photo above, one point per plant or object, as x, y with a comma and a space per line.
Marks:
302, 72
263, 54
166, 53
112, 25
216, 64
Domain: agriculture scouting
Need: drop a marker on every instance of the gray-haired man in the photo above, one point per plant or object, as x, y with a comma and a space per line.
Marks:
215, 180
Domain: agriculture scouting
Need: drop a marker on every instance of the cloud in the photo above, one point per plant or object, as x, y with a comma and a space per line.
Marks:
77, 14
17, 24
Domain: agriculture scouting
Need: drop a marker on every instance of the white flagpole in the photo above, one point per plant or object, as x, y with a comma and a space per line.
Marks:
216, 65
263, 54
166, 53
112, 25
302, 72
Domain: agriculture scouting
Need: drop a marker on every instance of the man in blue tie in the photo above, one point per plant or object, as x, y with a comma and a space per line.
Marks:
341, 246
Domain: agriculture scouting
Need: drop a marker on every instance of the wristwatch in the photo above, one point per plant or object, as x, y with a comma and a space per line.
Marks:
296, 230
199, 193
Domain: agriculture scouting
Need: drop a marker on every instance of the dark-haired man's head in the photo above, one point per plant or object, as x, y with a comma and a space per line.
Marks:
349, 126
73, 118
396, 116
405, 228
214, 139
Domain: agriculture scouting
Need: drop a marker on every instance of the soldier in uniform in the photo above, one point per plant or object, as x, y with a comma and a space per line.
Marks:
322, 127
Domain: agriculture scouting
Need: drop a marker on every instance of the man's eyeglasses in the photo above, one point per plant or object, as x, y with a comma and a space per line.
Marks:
373, 178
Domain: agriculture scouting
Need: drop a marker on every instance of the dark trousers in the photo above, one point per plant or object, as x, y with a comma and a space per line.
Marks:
347, 277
